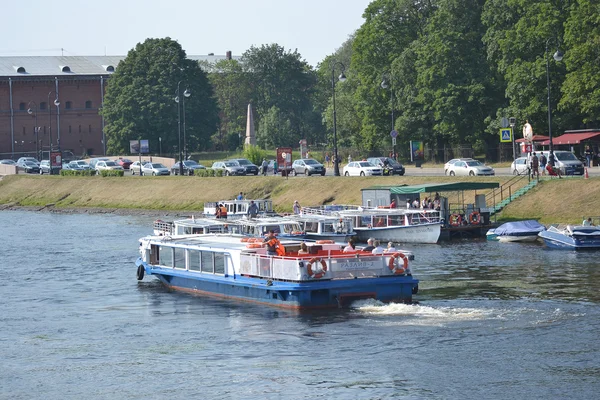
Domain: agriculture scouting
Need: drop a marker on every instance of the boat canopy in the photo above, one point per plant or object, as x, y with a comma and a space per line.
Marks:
438, 187
516, 227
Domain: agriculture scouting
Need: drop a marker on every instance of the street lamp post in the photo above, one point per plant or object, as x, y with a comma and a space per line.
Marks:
342, 78
179, 127
385, 85
160, 146
513, 121
558, 56
56, 103
36, 129
186, 93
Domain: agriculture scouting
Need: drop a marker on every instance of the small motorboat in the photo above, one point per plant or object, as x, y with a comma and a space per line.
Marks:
517, 231
572, 237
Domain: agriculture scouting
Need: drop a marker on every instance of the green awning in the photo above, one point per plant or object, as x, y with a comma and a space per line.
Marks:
443, 187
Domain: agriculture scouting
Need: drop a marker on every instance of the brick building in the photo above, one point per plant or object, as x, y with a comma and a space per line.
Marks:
29, 87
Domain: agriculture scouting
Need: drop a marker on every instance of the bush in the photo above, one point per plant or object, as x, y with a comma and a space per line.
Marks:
70, 172
254, 154
111, 172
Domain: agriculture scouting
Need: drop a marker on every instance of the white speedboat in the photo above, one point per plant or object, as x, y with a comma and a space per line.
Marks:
517, 231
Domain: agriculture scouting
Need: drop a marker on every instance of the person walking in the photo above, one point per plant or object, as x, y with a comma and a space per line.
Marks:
264, 166
543, 162
535, 166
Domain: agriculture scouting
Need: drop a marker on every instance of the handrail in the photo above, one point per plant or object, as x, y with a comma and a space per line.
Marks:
490, 198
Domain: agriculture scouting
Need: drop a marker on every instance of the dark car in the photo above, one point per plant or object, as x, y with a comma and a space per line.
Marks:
124, 162
29, 167
251, 169
393, 167
189, 166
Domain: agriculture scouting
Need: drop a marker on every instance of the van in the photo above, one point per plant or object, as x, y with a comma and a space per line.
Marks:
566, 161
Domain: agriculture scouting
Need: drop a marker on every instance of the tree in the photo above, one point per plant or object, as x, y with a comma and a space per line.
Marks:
281, 79
139, 101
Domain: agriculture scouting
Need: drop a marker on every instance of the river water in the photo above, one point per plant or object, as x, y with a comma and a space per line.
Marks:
494, 321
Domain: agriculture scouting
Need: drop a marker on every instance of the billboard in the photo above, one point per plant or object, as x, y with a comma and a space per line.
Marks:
139, 146
416, 150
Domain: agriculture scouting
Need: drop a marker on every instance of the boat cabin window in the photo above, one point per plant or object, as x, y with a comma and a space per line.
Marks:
207, 264
219, 263
396, 220
267, 228
311, 227
179, 258
328, 227
166, 256
194, 259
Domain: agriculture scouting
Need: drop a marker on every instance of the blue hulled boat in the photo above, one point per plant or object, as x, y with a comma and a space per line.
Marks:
517, 231
237, 267
572, 237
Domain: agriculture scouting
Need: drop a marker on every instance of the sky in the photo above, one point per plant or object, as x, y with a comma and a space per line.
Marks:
316, 28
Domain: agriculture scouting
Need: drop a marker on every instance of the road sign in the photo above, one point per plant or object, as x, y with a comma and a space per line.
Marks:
393, 141
506, 135
504, 122
394, 133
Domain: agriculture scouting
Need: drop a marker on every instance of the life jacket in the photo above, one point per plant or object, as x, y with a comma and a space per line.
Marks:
223, 212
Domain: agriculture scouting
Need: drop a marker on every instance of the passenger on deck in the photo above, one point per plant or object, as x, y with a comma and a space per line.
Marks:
390, 248
252, 210
303, 248
351, 248
393, 203
587, 222
378, 249
272, 243
369, 246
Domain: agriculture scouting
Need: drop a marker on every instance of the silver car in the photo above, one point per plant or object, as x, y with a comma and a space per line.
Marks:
308, 167
229, 168
520, 166
470, 168
155, 169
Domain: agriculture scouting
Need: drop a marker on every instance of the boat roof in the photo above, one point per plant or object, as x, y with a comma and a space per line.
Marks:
216, 240
436, 187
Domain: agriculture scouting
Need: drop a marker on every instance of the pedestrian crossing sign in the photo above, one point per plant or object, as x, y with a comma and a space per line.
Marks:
506, 135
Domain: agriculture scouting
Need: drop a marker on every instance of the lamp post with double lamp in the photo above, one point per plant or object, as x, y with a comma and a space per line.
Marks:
384, 85
558, 56
36, 129
342, 78
56, 103
186, 94
177, 97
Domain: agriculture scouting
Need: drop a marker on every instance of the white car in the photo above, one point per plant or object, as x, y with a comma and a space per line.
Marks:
82, 164
155, 169
136, 167
451, 163
470, 168
362, 168
108, 165
520, 166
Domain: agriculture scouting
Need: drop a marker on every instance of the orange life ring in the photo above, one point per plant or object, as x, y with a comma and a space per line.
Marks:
475, 218
253, 246
325, 241
245, 240
395, 266
253, 240
320, 272
297, 233
455, 219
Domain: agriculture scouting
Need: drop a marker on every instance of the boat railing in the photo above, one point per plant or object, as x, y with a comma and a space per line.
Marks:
324, 264
163, 227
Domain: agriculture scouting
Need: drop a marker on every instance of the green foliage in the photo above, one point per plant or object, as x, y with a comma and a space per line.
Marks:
139, 101
255, 154
111, 172
70, 172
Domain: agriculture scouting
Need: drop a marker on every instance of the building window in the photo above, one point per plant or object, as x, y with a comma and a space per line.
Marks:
43, 105
68, 105
88, 104
22, 106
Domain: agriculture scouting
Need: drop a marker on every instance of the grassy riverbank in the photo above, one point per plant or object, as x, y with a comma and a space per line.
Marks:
558, 200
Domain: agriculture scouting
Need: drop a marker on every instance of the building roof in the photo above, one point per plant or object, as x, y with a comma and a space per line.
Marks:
535, 138
31, 66
572, 138
436, 187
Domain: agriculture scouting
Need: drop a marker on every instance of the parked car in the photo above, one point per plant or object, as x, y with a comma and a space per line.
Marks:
451, 163
45, 168
32, 159
393, 167
155, 169
82, 164
94, 161
136, 167
74, 166
8, 162
124, 162
251, 169
520, 166
229, 168
470, 168
362, 168
189, 166
566, 161
28, 166
108, 165
308, 166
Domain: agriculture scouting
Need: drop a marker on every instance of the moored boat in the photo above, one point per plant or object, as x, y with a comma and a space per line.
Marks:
517, 231
325, 227
572, 237
226, 266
